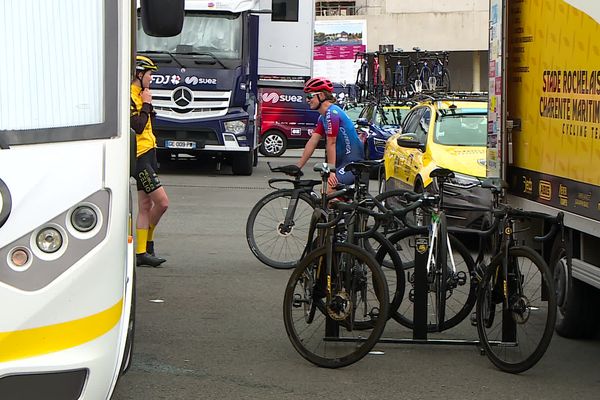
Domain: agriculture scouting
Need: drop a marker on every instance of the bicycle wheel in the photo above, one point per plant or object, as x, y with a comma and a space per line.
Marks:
338, 332
388, 258
269, 239
515, 336
441, 271
460, 288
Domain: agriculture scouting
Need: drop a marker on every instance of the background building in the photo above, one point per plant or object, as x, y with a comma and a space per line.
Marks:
458, 26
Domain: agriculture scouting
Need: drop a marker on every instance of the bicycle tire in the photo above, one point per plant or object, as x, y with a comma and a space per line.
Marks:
388, 258
462, 286
265, 238
309, 336
509, 354
441, 271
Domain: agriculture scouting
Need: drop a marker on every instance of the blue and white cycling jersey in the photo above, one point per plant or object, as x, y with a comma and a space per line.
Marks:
348, 147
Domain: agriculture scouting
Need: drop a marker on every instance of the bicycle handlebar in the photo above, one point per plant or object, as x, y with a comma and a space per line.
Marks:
555, 220
345, 208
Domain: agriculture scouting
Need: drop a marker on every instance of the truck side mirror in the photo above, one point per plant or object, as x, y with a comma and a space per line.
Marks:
162, 18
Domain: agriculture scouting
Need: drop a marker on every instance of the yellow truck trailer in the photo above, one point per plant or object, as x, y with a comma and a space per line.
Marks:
544, 135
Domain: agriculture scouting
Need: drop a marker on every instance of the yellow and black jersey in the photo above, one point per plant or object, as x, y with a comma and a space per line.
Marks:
141, 115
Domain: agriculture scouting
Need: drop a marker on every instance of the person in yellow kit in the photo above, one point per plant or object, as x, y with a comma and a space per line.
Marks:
152, 198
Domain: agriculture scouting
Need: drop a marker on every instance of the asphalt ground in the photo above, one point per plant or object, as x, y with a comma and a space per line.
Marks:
209, 324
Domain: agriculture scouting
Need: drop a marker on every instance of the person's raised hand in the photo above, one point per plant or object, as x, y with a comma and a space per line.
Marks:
146, 96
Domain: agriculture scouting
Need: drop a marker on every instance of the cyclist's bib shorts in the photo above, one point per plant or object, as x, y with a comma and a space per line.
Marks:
145, 172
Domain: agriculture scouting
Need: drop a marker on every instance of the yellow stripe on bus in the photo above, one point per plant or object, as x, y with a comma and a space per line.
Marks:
52, 338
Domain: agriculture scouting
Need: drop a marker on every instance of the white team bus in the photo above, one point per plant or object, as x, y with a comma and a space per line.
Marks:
67, 284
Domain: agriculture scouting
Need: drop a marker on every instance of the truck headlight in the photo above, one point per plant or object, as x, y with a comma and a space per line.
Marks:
237, 127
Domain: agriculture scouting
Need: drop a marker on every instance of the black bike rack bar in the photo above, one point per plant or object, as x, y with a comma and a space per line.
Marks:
420, 305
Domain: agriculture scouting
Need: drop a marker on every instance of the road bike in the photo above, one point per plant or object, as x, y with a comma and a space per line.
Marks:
516, 302
278, 225
450, 267
336, 301
515, 308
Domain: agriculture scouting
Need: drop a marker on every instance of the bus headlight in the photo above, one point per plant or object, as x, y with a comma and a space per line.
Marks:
49, 240
84, 218
237, 127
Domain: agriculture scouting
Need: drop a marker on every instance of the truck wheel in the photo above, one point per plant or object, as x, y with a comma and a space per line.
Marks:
273, 144
241, 163
576, 301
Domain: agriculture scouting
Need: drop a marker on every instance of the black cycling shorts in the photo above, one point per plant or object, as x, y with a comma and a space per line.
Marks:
145, 172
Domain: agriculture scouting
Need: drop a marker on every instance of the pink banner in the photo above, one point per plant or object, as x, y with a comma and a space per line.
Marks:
337, 52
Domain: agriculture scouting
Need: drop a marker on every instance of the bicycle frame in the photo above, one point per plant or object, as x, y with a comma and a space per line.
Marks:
434, 233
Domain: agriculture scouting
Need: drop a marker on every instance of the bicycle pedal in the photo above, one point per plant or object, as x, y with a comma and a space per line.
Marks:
461, 278
473, 319
297, 303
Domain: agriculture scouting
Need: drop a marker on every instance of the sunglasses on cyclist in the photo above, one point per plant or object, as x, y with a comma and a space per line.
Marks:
309, 96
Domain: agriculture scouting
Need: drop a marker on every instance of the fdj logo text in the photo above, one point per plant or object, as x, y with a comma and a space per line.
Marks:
274, 98
166, 79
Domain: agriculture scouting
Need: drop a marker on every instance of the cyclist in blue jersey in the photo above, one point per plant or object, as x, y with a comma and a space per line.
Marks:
342, 143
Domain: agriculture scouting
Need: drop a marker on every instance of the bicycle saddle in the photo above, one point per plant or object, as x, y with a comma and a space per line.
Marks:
324, 168
291, 170
443, 173
357, 167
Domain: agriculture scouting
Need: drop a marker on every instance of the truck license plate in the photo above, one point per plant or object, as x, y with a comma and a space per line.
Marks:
180, 144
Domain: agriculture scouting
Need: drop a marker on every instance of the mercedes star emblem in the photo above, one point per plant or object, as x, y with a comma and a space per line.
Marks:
182, 96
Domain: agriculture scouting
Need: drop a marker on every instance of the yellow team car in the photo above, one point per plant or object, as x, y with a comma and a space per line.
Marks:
448, 134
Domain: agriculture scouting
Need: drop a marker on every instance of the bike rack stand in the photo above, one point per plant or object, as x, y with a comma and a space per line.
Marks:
420, 311
420, 302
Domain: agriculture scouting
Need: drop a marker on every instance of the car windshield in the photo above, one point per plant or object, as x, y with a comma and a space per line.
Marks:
353, 111
461, 130
391, 117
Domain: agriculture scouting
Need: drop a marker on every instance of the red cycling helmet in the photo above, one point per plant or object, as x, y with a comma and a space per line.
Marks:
318, 85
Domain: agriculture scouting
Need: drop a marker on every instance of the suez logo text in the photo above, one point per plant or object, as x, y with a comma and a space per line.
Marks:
176, 79
273, 97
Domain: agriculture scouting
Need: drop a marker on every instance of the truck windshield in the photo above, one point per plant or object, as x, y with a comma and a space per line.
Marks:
461, 130
212, 36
